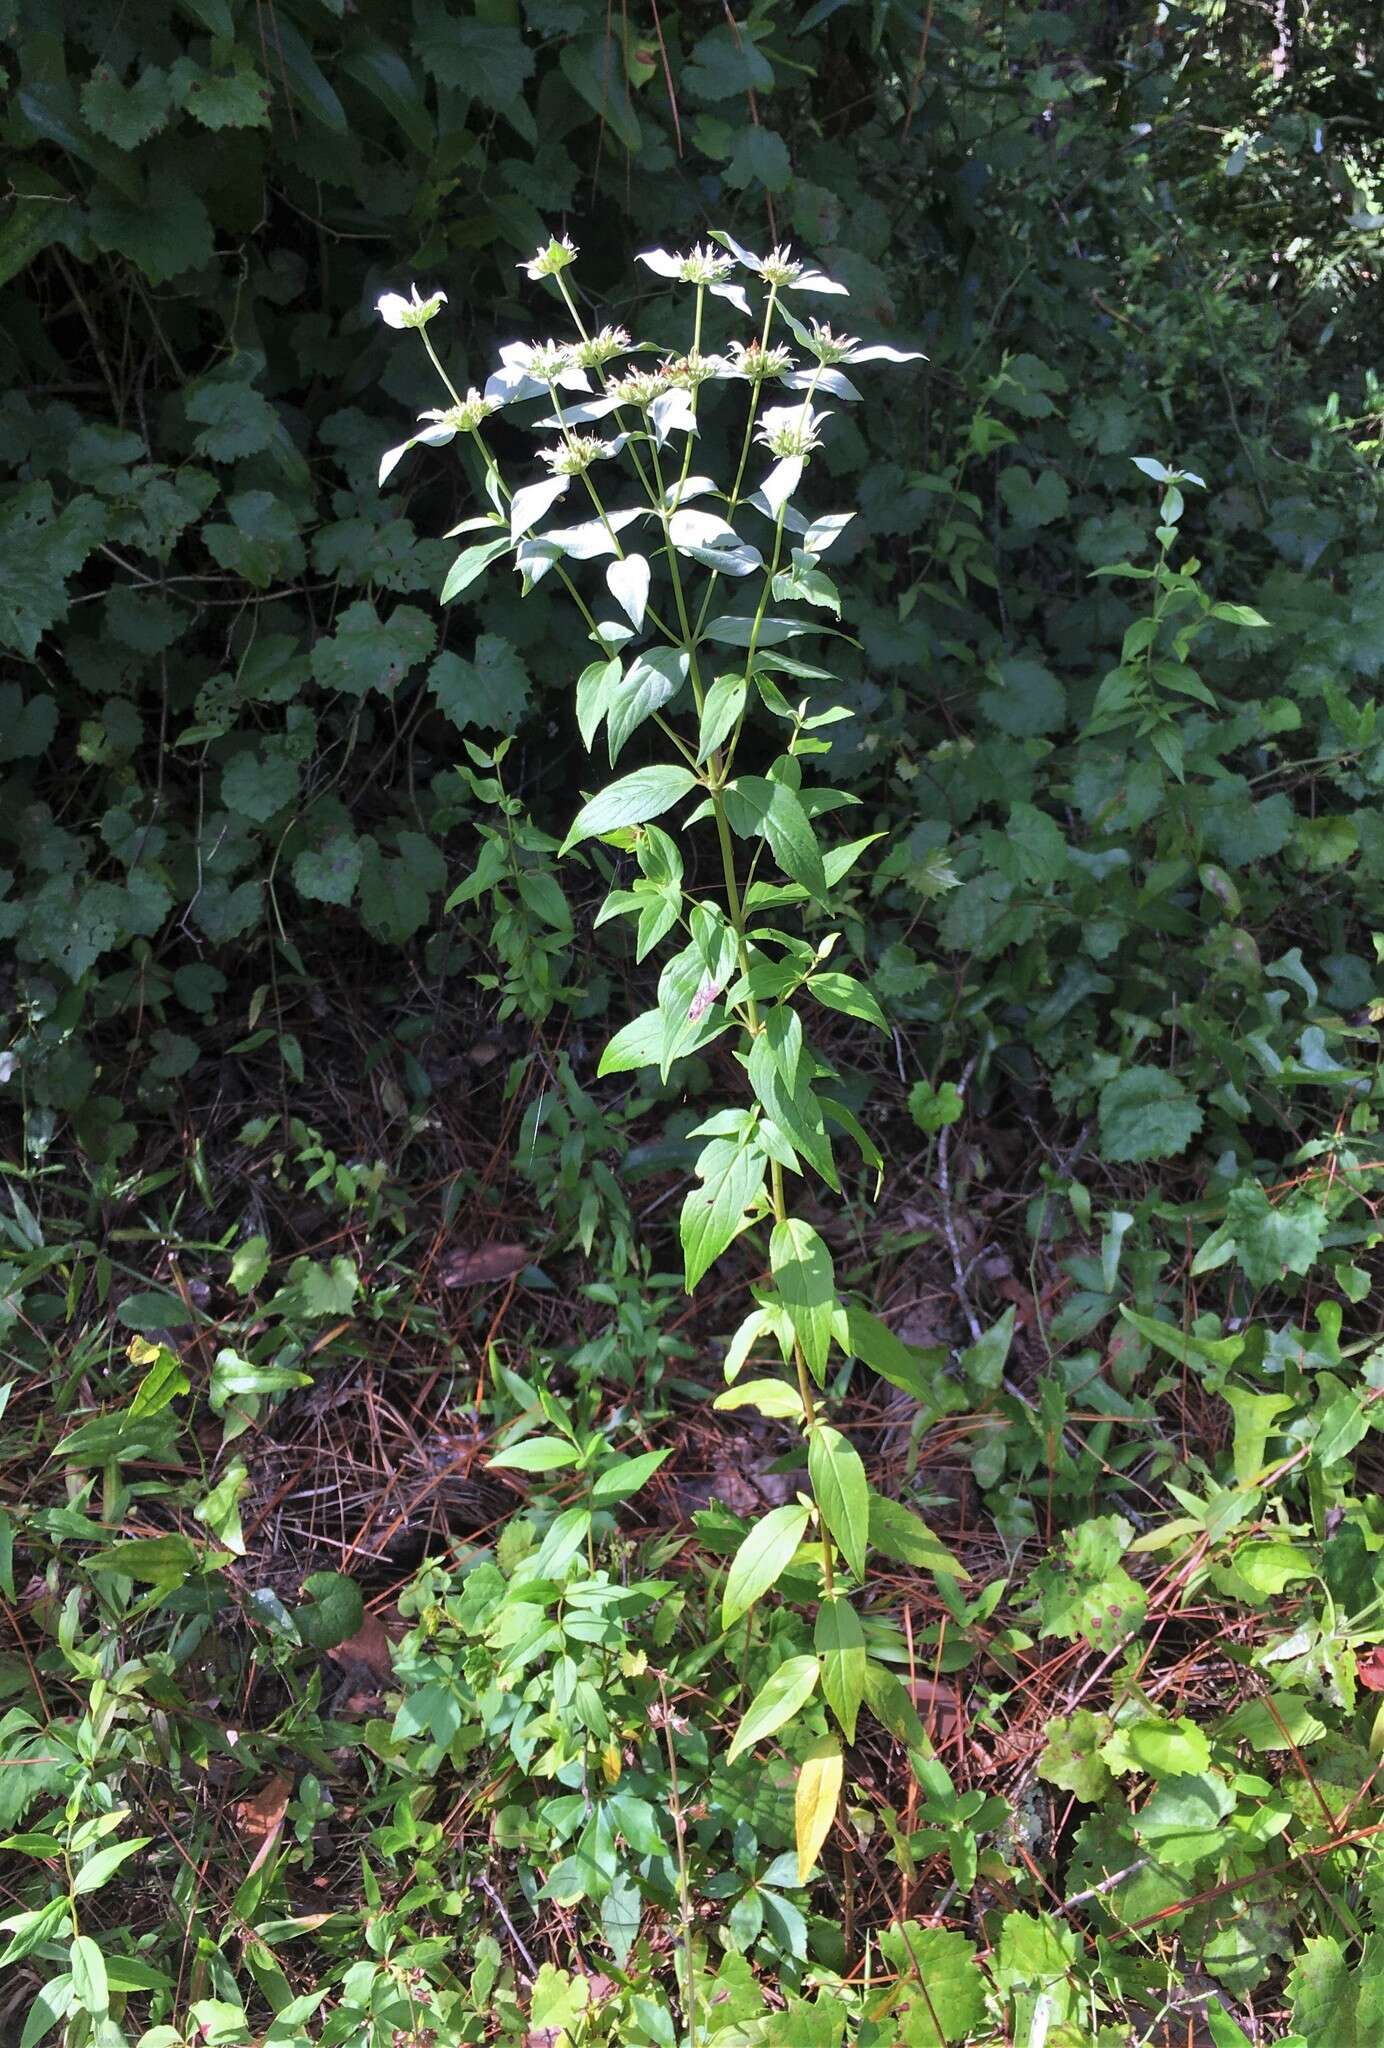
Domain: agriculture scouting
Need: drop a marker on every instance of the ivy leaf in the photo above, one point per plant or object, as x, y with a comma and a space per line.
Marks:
841, 1491
1033, 500
839, 1641
259, 782
126, 114
367, 653
818, 1795
1088, 1592
491, 690
762, 1559
725, 64
163, 240
488, 60
335, 1612
225, 95
1025, 698
940, 1998
40, 550
1146, 1114
235, 420
316, 1290
328, 873
1270, 1238
395, 892
776, 1703
26, 728
932, 1109
1183, 1822
759, 157
633, 800
1071, 1758
1323, 1988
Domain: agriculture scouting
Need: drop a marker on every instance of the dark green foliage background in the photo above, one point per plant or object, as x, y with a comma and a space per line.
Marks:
230, 708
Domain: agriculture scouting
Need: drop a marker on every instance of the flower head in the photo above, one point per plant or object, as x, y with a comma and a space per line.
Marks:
791, 429
781, 267
693, 369
466, 417
829, 347
548, 360
702, 265
756, 363
396, 311
601, 348
576, 454
548, 262
639, 387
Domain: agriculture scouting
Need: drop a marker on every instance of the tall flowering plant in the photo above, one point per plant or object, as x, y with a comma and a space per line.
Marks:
696, 595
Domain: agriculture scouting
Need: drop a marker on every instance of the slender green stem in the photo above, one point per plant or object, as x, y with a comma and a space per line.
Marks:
777, 1193
746, 443
684, 1883
437, 365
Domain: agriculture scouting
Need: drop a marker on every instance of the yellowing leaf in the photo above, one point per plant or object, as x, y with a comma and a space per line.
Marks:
814, 1805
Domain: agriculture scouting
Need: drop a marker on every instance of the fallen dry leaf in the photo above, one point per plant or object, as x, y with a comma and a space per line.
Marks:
260, 1817
368, 1647
484, 1262
939, 1707
1370, 1670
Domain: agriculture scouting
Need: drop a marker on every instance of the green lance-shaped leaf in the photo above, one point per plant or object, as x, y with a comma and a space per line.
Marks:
721, 711
817, 1798
840, 1644
755, 804
842, 1493
620, 1481
776, 1702
633, 800
806, 1282
902, 1535
863, 1335
843, 992
731, 1173
762, 1559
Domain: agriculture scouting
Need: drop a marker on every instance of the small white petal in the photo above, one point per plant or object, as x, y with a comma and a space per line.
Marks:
814, 281
660, 262
754, 263
392, 457
879, 353
629, 586
392, 309
672, 411
530, 504
735, 293
781, 482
